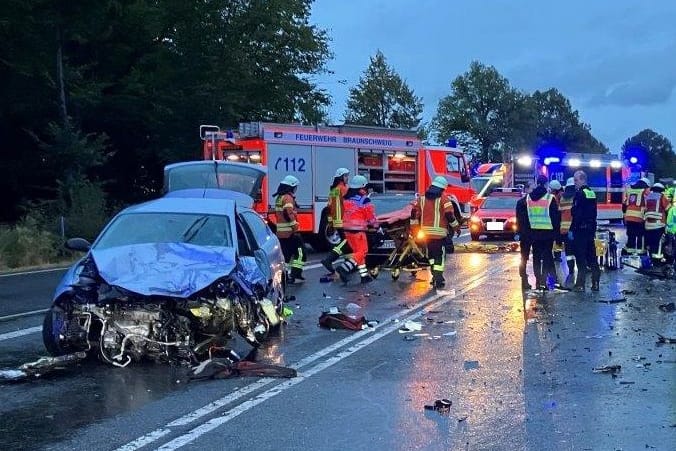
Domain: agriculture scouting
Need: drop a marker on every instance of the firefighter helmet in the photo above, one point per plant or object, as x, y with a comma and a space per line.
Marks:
555, 185
646, 180
570, 181
341, 172
358, 181
440, 182
290, 180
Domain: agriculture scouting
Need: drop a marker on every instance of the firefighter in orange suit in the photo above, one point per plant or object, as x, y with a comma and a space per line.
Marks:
565, 207
336, 195
358, 216
292, 244
435, 214
633, 207
656, 206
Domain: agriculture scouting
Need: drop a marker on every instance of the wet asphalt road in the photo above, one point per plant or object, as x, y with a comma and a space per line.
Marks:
518, 371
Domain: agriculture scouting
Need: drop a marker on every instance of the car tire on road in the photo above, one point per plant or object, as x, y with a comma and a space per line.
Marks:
50, 334
474, 236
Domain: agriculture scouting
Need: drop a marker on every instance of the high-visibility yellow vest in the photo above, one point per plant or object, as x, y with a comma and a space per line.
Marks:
538, 212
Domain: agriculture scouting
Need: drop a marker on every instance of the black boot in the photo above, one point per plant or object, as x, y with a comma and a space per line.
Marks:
296, 276
595, 282
344, 270
328, 261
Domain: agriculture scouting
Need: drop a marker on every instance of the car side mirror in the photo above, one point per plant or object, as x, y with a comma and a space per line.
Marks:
78, 244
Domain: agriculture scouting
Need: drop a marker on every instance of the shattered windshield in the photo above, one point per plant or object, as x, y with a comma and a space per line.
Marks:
146, 228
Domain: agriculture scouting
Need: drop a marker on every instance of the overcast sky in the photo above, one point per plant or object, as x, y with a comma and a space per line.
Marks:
614, 59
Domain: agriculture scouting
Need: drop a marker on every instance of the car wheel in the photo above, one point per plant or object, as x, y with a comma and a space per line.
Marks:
474, 236
52, 326
320, 240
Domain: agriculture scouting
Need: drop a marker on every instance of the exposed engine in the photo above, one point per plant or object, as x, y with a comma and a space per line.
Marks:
123, 327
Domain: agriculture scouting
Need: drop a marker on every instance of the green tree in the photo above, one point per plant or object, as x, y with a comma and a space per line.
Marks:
382, 98
555, 124
655, 153
146, 74
480, 112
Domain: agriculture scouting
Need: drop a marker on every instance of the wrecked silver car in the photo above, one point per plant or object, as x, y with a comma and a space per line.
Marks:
169, 280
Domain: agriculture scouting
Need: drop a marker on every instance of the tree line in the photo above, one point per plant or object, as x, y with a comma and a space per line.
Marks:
97, 97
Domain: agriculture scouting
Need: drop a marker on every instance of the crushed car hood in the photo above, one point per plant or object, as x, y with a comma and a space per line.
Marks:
164, 269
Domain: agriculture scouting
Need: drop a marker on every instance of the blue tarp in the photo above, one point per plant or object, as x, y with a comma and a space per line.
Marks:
164, 269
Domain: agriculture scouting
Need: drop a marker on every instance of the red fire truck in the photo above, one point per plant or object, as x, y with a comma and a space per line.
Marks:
394, 162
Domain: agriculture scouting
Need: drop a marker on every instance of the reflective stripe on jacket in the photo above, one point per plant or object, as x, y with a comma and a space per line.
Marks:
655, 210
359, 214
635, 202
285, 215
538, 212
336, 205
433, 215
565, 207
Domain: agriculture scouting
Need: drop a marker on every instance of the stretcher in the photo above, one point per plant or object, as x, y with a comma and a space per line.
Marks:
404, 253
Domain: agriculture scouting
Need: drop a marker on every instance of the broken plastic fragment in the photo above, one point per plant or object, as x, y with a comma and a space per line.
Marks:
607, 369
452, 333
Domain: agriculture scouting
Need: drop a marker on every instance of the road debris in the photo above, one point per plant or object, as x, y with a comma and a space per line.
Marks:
443, 406
41, 367
661, 339
612, 301
670, 307
410, 326
471, 365
452, 333
607, 369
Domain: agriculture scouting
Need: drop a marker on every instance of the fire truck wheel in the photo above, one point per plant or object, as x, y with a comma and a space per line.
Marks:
320, 241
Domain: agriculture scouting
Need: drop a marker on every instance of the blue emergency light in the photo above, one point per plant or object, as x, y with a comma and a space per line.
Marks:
452, 142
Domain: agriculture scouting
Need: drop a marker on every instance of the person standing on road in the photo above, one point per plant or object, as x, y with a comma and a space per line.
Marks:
556, 190
336, 197
525, 240
565, 207
583, 232
435, 213
656, 206
358, 216
633, 207
543, 219
293, 246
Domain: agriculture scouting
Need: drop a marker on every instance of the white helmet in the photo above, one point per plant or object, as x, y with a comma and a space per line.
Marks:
555, 185
290, 180
570, 181
440, 182
658, 185
341, 172
646, 180
358, 181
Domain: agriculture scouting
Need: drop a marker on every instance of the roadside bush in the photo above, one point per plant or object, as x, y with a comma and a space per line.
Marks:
84, 208
26, 244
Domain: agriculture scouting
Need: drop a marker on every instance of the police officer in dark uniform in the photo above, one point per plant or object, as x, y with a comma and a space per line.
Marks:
583, 232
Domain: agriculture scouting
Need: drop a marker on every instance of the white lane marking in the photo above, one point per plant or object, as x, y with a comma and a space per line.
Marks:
215, 405
21, 315
20, 333
37, 271
212, 424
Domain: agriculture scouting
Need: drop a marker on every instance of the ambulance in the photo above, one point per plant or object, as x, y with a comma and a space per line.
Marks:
394, 162
607, 176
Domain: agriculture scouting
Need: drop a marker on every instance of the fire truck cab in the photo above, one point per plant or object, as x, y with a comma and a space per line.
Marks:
393, 161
